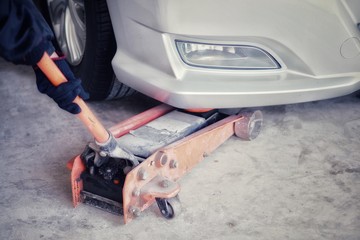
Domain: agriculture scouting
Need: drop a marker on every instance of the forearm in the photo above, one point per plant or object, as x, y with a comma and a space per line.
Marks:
24, 34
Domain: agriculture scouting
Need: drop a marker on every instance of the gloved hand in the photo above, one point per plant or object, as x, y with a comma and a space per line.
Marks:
65, 93
110, 148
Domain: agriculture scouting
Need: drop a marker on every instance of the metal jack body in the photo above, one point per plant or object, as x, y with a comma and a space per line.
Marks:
155, 179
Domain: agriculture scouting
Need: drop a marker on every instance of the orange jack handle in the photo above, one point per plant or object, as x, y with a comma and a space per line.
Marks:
56, 77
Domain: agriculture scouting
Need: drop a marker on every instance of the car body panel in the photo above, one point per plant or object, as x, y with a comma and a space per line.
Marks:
316, 44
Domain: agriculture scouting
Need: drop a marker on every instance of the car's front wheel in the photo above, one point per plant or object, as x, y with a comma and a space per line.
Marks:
84, 33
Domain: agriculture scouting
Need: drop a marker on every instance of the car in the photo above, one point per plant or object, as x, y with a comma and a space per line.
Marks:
211, 54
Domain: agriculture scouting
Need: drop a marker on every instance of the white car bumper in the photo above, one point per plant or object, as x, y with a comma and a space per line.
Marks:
316, 44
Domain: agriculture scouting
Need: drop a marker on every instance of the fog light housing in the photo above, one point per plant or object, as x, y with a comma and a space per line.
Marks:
225, 56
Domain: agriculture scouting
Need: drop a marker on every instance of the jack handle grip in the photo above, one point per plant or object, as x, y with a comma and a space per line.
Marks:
56, 77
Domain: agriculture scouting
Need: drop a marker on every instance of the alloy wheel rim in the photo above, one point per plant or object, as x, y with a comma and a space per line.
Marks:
68, 22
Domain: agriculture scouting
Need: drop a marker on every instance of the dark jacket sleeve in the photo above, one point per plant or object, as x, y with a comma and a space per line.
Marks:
24, 33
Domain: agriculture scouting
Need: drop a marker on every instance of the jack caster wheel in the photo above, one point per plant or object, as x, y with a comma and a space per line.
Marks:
169, 207
249, 127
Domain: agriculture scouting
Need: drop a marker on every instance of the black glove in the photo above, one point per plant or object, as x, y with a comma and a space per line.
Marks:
65, 93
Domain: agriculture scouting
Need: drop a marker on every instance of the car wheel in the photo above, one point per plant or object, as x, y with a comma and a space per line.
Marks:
83, 32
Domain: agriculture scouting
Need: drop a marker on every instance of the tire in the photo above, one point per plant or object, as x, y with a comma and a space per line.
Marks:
83, 32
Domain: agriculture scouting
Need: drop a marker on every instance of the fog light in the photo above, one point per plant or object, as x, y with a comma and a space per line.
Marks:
225, 56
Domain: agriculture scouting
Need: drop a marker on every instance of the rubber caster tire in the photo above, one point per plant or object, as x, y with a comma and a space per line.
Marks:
169, 207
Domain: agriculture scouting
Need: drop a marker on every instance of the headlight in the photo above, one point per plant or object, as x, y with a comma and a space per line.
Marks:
225, 56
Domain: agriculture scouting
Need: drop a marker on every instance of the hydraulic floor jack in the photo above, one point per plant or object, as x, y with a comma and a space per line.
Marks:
170, 142
162, 144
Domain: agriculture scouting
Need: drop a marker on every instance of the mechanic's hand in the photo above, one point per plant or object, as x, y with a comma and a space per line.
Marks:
65, 93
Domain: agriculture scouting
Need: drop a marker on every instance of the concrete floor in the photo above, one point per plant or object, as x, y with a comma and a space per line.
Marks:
299, 180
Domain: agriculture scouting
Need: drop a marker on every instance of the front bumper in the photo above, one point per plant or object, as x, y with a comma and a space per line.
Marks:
317, 61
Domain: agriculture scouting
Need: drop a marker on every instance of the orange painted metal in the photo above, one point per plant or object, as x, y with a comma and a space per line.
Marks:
70, 163
157, 176
52, 72
133, 123
77, 167
199, 110
139, 120
76, 181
